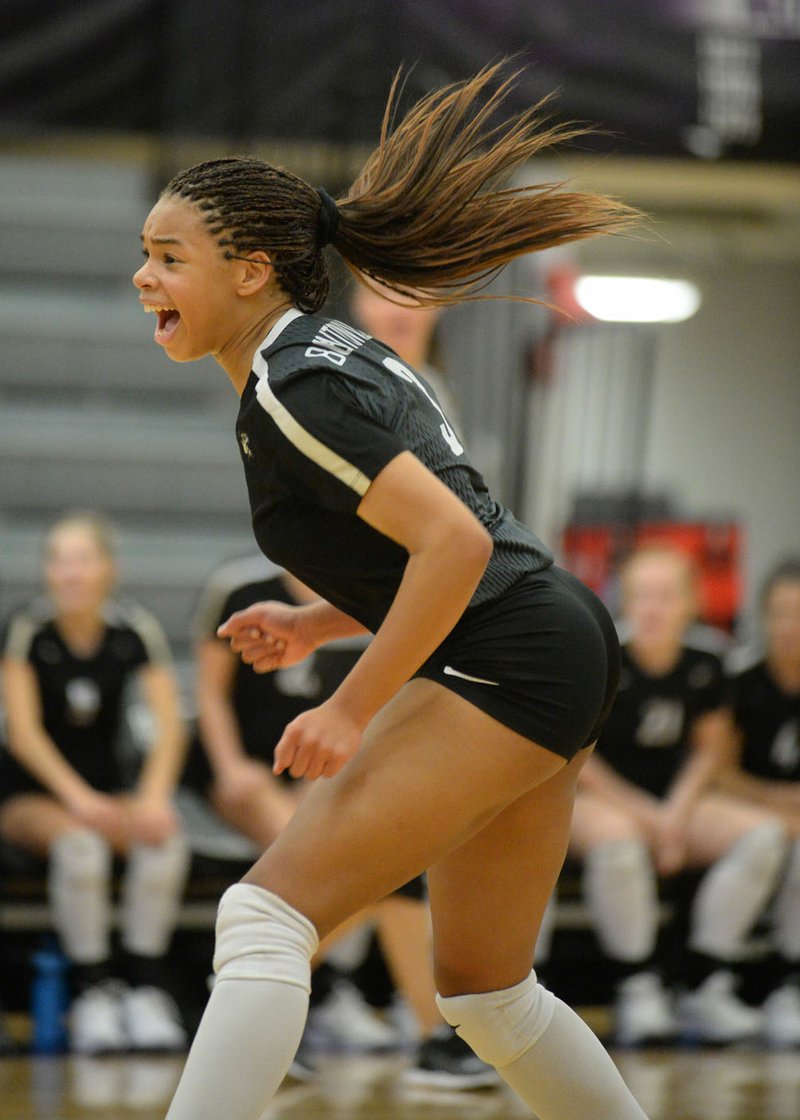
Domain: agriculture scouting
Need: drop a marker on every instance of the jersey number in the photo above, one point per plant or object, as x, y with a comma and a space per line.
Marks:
450, 437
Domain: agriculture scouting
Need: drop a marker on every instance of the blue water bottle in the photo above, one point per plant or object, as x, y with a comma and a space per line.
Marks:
49, 1000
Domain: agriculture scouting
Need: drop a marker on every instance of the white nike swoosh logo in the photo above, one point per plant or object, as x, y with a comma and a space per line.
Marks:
449, 671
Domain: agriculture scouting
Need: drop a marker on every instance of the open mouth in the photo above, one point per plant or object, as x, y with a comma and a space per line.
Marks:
168, 319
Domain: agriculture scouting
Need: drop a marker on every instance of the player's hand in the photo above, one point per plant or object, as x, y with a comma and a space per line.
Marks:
317, 743
152, 819
268, 636
238, 780
670, 847
101, 812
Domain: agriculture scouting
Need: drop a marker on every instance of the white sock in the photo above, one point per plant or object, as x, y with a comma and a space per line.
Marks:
155, 876
544, 1051
622, 891
256, 1013
735, 890
79, 883
787, 908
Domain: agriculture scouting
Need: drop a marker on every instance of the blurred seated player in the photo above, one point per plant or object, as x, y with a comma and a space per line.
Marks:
409, 331
67, 662
646, 808
241, 717
764, 770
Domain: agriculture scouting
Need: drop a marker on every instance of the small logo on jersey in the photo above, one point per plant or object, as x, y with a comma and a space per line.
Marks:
661, 723
83, 701
785, 749
244, 443
449, 671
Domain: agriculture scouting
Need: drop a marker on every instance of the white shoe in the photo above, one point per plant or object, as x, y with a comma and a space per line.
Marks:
348, 1022
152, 1020
713, 1013
642, 1011
95, 1021
781, 1010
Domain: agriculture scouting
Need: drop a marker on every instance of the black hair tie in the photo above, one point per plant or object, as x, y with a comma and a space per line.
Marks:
328, 220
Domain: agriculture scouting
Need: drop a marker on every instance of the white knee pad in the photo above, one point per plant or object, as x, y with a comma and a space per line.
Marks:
80, 857
787, 908
621, 889
78, 885
736, 889
151, 893
501, 1026
261, 937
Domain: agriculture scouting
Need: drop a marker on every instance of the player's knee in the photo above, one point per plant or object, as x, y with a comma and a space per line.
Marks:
261, 937
80, 858
500, 1026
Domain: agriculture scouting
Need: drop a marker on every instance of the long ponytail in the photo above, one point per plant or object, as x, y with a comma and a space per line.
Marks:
428, 215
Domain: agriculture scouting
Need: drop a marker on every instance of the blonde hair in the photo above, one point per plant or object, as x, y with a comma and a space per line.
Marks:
97, 525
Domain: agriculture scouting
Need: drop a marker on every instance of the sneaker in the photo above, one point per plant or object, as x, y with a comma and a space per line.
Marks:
642, 1011
444, 1061
714, 1014
95, 1020
347, 1022
781, 1010
152, 1020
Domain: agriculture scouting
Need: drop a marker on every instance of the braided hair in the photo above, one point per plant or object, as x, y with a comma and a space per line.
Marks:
427, 216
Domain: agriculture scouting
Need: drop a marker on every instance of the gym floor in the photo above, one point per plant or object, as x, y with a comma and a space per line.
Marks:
670, 1084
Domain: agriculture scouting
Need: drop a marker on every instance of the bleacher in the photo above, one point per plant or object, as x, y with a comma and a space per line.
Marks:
92, 413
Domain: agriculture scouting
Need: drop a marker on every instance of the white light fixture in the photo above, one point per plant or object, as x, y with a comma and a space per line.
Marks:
637, 299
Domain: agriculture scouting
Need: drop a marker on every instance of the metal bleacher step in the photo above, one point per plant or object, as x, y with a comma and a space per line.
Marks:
79, 343
119, 460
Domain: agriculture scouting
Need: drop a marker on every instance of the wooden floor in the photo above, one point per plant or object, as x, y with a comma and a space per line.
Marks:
671, 1085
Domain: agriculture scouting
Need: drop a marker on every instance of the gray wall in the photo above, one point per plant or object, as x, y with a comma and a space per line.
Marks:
724, 428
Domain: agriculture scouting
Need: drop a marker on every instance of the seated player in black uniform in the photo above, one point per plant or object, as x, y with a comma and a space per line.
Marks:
764, 770
241, 717
67, 661
455, 742
646, 807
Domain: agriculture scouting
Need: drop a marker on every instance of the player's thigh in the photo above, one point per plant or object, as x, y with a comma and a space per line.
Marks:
488, 896
715, 825
33, 821
432, 770
596, 821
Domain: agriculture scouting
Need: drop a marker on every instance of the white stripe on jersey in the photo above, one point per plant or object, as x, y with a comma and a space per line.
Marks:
302, 439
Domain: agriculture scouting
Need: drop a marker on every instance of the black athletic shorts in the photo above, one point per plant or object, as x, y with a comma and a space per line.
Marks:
542, 659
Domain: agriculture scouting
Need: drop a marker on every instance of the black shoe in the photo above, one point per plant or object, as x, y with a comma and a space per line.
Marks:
444, 1061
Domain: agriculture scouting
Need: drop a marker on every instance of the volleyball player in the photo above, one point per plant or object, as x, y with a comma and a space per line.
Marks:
67, 662
764, 770
646, 807
455, 742
241, 717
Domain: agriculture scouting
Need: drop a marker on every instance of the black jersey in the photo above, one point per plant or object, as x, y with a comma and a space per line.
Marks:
324, 410
82, 697
769, 720
263, 702
648, 732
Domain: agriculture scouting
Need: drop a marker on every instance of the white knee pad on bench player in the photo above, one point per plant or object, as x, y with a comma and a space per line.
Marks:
78, 886
261, 937
501, 1026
